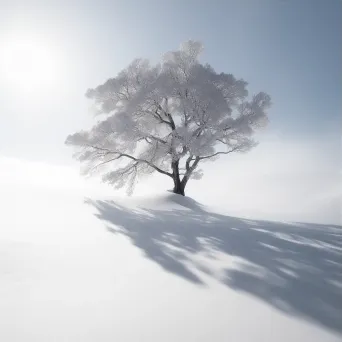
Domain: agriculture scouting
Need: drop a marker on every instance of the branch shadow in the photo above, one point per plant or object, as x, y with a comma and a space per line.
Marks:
296, 267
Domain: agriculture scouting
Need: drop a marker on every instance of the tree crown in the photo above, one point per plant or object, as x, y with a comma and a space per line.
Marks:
168, 118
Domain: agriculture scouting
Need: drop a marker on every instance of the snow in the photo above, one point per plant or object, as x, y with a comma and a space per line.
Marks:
78, 264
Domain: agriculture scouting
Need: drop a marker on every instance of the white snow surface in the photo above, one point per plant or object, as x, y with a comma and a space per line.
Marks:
79, 265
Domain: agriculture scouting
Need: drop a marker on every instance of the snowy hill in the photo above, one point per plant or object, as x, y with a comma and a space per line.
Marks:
77, 267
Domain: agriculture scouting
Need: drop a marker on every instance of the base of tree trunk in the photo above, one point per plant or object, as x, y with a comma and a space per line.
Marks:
179, 190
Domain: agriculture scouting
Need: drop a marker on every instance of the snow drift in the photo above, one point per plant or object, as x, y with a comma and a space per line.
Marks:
161, 269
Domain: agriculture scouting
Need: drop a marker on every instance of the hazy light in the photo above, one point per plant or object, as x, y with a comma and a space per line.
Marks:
29, 64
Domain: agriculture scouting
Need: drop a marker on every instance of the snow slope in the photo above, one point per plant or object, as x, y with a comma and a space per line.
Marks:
77, 266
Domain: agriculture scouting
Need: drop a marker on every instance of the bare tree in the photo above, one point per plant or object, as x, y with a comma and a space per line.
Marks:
168, 118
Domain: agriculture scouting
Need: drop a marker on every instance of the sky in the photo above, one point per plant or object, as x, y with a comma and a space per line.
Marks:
291, 49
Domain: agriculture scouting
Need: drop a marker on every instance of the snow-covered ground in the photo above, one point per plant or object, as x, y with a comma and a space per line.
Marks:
77, 264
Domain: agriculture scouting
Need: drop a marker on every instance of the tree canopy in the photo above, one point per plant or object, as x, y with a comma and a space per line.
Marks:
168, 118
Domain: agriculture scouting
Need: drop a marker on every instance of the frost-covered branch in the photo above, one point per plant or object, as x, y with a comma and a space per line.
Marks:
218, 153
119, 155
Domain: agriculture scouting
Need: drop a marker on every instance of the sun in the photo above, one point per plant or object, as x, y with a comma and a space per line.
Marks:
28, 64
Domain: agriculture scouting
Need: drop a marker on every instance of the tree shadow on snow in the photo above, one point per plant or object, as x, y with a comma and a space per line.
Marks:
296, 267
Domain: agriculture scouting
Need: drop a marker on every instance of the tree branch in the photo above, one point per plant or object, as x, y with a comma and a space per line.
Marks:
157, 139
158, 117
146, 139
187, 163
168, 115
105, 162
120, 155
217, 153
190, 169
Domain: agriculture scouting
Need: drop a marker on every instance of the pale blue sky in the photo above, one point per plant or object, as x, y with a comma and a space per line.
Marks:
291, 49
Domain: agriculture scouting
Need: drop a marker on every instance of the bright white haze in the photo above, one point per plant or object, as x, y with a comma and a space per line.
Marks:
28, 63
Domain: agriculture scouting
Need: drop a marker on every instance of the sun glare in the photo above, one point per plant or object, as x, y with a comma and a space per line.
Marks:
28, 64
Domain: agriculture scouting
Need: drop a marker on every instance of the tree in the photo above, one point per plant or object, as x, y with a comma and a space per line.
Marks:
168, 118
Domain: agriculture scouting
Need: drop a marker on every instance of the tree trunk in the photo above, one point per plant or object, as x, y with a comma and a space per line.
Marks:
178, 185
